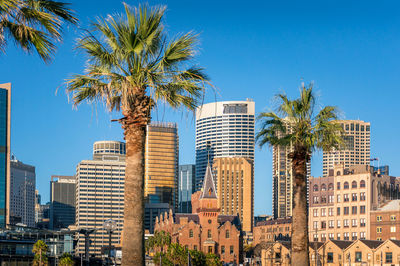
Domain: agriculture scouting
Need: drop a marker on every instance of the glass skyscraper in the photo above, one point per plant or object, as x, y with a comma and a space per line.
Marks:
186, 187
5, 110
223, 129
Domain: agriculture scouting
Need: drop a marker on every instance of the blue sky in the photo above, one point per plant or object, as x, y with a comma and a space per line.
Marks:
252, 49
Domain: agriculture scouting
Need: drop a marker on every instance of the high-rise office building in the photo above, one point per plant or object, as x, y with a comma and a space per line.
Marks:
100, 194
186, 182
62, 201
282, 181
161, 164
22, 193
223, 129
235, 188
5, 124
357, 146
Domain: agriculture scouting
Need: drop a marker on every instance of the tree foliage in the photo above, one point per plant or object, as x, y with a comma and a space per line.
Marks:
34, 24
40, 250
66, 259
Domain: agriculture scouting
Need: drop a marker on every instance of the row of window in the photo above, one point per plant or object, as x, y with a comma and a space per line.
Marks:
209, 235
358, 257
346, 236
346, 198
346, 211
345, 185
346, 223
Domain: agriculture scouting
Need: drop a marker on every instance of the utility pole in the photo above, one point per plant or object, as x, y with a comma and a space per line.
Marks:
315, 247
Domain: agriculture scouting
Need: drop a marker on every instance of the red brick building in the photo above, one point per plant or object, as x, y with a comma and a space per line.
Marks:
205, 228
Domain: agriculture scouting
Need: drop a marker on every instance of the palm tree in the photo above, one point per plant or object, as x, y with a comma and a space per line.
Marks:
133, 67
34, 24
296, 125
40, 250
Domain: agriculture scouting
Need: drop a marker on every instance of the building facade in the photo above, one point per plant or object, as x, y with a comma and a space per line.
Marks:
223, 129
235, 188
100, 194
187, 181
62, 201
151, 212
357, 146
272, 230
161, 164
5, 137
205, 229
22, 193
341, 203
385, 221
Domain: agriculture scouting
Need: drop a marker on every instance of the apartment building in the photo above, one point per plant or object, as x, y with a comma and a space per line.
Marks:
385, 221
341, 203
272, 230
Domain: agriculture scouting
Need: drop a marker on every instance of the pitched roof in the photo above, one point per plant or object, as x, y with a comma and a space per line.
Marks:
234, 219
190, 216
342, 244
287, 220
208, 190
313, 244
372, 243
396, 242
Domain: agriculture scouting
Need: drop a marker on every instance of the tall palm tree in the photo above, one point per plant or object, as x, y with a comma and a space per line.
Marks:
296, 124
34, 24
132, 66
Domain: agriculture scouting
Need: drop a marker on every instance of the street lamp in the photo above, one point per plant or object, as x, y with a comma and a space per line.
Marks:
109, 225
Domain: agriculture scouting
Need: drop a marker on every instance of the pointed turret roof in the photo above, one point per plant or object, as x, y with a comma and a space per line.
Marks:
208, 190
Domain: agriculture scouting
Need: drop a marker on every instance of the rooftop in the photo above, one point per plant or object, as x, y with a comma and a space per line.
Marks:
393, 205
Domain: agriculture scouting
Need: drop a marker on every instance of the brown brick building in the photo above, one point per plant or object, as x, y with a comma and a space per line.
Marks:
272, 230
205, 228
385, 222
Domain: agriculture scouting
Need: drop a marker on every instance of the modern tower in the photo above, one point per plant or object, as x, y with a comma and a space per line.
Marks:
187, 182
22, 193
62, 201
223, 129
162, 164
5, 124
100, 195
234, 180
357, 146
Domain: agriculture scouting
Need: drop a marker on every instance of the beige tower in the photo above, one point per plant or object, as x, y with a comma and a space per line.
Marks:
357, 146
235, 187
161, 164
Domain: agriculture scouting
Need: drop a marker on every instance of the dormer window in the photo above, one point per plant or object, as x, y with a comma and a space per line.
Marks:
209, 191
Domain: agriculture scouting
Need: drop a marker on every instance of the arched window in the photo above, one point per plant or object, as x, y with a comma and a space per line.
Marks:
227, 234
338, 186
323, 187
346, 185
338, 173
362, 183
330, 186
354, 184
315, 188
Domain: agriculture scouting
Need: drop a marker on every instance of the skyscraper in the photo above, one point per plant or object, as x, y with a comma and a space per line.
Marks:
223, 129
5, 124
22, 193
235, 188
357, 146
62, 201
100, 194
187, 182
161, 164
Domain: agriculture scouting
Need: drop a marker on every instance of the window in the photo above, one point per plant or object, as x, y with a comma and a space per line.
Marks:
331, 236
323, 237
323, 213
362, 209
362, 235
362, 222
329, 257
323, 224
222, 249
354, 184
195, 247
209, 233
315, 212
330, 211
362, 184
338, 185
379, 229
392, 217
323, 199
338, 238
354, 222
354, 236
354, 197
315, 188
362, 196
358, 256
323, 187
346, 210
388, 257
346, 236
346, 185
190, 233
331, 223
315, 237
338, 223
231, 250
338, 211
330, 198
315, 200
345, 197
315, 225
338, 198
354, 210
346, 223
393, 229
379, 218
330, 186
227, 235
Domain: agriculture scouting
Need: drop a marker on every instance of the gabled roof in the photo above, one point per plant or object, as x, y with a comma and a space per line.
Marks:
208, 190
313, 244
396, 242
342, 244
372, 243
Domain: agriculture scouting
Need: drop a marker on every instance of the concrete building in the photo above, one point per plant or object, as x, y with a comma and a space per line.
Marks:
235, 187
151, 212
341, 203
5, 137
282, 179
272, 230
385, 221
161, 164
100, 194
62, 201
22, 193
187, 181
223, 129
205, 229
357, 146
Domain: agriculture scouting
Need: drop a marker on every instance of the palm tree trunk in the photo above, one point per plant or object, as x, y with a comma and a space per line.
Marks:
133, 231
300, 257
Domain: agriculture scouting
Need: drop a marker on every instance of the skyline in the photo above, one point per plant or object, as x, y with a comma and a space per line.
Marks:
353, 56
